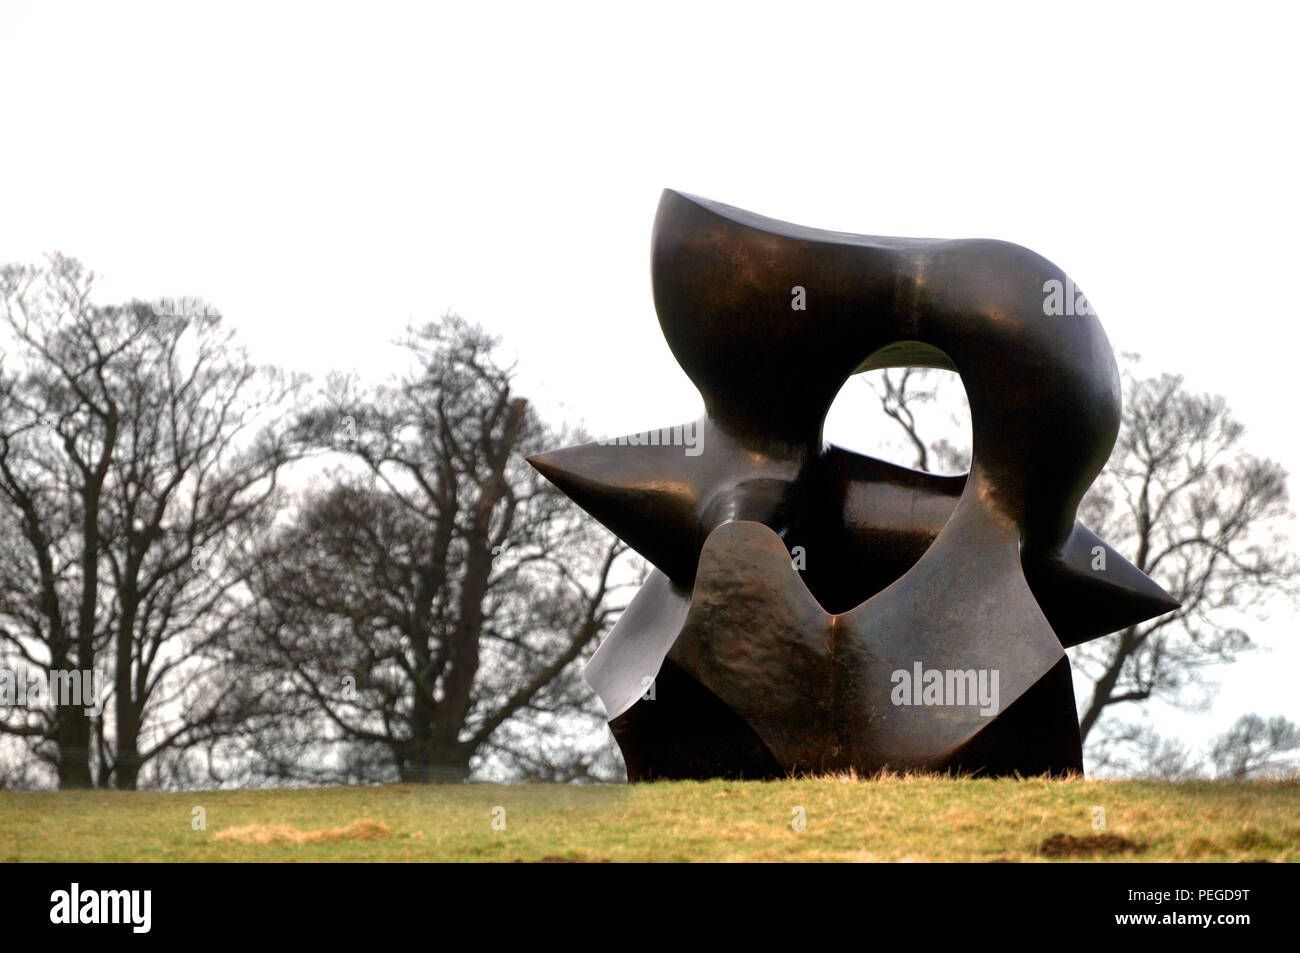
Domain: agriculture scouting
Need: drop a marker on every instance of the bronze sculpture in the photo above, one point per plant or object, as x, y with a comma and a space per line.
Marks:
916, 591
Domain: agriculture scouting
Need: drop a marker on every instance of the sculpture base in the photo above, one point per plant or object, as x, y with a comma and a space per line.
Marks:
686, 733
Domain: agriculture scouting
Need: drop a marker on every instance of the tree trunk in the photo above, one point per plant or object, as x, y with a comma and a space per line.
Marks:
1104, 690
435, 767
73, 738
126, 761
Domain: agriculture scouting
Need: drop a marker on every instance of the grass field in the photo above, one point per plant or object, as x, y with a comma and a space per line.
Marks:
893, 819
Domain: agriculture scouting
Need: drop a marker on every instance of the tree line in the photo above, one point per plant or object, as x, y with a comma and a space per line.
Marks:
364, 582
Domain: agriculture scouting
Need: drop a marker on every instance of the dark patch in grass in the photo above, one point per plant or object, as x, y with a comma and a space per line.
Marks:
1252, 838
552, 859
1067, 845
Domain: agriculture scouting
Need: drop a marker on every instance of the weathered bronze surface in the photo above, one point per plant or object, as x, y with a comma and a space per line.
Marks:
733, 662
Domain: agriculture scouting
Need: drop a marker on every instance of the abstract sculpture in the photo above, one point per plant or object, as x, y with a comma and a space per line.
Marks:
923, 626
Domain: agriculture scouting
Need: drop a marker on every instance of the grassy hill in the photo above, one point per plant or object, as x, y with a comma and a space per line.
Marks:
891, 819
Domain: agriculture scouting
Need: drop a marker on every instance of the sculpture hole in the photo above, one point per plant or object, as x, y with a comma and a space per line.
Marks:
913, 417
877, 413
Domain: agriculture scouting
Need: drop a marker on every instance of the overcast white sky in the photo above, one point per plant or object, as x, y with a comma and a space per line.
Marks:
325, 173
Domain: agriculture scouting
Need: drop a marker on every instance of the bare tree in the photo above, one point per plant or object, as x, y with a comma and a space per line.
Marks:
1188, 506
19, 771
903, 393
426, 610
137, 455
1255, 747
1136, 750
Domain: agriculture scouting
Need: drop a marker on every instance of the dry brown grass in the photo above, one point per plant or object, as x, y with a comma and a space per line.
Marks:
268, 834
